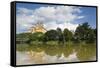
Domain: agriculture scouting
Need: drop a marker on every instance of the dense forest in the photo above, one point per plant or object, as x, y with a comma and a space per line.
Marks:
84, 33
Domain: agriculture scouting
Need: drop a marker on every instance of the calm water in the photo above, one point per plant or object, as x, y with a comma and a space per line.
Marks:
37, 54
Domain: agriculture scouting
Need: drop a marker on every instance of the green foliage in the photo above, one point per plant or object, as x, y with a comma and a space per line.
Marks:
51, 35
85, 33
60, 35
67, 35
82, 31
91, 36
23, 35
36, 36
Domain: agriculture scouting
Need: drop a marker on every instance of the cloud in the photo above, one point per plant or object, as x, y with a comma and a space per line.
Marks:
81, 17
51, 16
54, 25
24, 11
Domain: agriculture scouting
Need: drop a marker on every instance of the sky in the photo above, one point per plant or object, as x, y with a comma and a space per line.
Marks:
53, 16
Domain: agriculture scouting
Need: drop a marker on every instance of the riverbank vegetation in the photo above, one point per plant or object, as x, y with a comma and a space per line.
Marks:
83, 34
58, 42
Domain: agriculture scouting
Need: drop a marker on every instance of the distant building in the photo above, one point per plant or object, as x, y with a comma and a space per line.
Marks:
38, 27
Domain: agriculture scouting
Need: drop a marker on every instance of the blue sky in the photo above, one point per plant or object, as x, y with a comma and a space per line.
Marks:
90, 16
34, 12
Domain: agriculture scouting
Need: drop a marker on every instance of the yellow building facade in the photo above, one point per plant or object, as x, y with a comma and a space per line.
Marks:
37, 28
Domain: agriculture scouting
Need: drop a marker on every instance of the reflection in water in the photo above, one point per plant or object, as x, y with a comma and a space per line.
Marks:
39, 54
86, 52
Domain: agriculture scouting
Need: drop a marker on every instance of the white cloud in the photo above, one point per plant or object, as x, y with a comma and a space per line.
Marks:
52, 17
54, 25
80, 17
24, 11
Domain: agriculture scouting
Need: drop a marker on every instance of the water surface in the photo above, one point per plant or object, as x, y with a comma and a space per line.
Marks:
41, 54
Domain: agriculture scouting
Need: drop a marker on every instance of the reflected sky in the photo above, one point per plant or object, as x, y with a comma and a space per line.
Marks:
54, 54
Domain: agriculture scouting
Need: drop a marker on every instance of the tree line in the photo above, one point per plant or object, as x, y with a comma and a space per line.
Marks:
83, 33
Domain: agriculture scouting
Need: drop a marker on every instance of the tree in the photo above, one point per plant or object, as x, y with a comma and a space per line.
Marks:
95, 32
60, 35
91, 37
84, 33
37, 36
67, 34
22, 37
51, 35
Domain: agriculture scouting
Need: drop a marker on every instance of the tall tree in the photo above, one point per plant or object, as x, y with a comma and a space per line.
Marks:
91, 37
51, 35
67, 34
84, 32
60, 35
